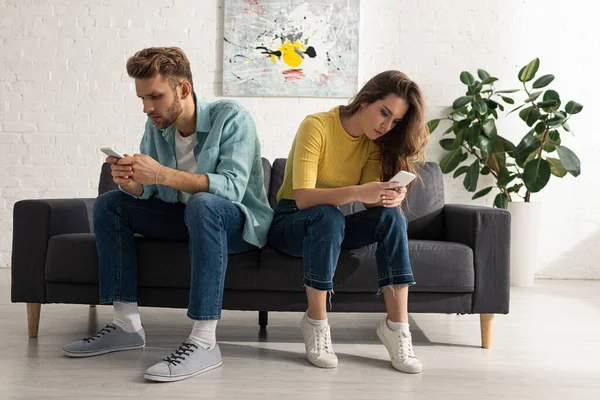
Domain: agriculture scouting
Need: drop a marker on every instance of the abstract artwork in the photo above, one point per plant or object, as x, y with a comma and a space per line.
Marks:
291, 48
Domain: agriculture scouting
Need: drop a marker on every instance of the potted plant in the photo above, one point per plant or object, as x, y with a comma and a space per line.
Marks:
475, 148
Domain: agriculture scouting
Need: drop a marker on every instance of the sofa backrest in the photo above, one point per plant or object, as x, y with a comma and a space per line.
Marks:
423, 208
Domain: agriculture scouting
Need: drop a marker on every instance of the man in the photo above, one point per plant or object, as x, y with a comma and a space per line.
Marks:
199, 177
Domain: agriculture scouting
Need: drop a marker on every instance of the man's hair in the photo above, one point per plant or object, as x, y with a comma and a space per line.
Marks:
170, 62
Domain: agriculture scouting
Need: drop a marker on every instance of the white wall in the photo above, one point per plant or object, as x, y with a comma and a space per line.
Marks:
64, 91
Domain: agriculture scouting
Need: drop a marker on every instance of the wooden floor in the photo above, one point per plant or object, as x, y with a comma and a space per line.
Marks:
548, 347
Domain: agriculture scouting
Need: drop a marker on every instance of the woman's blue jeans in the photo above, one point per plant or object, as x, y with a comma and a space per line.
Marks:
319, 233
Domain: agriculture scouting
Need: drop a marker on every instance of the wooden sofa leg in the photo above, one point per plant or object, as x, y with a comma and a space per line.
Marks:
92, 306
487, 324
33, 319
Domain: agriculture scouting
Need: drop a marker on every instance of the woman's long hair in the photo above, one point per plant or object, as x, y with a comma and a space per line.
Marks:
403, 148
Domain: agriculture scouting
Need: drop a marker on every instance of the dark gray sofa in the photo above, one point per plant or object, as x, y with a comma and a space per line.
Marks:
459, 256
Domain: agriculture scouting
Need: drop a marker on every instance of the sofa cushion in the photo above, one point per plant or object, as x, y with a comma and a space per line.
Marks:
437, 267
72, 258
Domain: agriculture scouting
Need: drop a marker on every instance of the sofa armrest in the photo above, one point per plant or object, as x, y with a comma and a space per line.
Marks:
487, 231
34, 223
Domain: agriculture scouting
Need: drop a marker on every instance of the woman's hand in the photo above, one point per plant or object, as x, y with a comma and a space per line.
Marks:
388, 194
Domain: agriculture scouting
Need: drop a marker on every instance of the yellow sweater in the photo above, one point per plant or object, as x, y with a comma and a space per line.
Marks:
324, 155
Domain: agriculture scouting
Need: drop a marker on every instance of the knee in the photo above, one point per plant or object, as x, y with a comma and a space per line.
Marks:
328, 218
201, 205
108, 202
393, 218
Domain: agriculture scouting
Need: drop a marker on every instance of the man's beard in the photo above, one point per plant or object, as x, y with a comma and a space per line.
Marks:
173, 113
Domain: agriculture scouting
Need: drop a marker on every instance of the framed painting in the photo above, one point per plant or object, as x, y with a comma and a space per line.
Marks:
291, 48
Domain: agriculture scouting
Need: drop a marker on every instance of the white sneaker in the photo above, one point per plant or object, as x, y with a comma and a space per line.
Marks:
399, 347
317, 340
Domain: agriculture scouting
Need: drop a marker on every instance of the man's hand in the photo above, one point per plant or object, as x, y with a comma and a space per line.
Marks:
121, 171
145, 168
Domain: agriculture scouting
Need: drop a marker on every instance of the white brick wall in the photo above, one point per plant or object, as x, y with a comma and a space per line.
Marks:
64, 91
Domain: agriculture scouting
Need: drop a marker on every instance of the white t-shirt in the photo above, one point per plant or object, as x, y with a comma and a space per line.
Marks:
184, 150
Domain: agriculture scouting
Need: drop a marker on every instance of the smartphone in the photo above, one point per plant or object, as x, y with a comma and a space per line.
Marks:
403, 178
109, 151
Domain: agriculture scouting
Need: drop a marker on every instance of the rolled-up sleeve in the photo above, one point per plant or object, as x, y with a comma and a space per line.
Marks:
236, 155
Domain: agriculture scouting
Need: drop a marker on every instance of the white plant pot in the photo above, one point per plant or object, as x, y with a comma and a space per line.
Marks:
525, 223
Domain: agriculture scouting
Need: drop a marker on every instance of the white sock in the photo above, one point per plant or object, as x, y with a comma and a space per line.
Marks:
398, 326
316, 322
127, 316
204, 333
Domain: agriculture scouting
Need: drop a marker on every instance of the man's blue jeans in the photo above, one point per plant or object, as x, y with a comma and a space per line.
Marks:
318, 233
212, 224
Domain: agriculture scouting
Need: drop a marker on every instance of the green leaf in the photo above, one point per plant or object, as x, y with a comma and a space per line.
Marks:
528, 144
485, 145
547, 103
494, 113
460, 170
504, 177
573, 107
528, 72
475, 89
555, 121
536, 174
482, 193
499, 153
447, 144
459, 139
524, 113
501, 201
543, 81
451, 160
569, 160
533, 97
461, 102
557, 168
489, 80
464, 123
552, 141
467, 78
515, 188
540, 127
550, 95
432, 125
566, 127
533, 116
491, 104
554, 137
485, 171
472, 176
489, 128
508, 91
508, 145
483, 75
471, 135
515, 109
480, 107
508, 100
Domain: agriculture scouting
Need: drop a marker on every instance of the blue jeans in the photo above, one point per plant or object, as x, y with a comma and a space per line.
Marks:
212, 224
319, 233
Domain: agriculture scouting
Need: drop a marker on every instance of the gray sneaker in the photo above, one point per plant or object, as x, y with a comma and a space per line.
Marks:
108, 339
187, 361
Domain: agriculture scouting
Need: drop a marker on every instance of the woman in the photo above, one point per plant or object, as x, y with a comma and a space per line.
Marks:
344, 155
